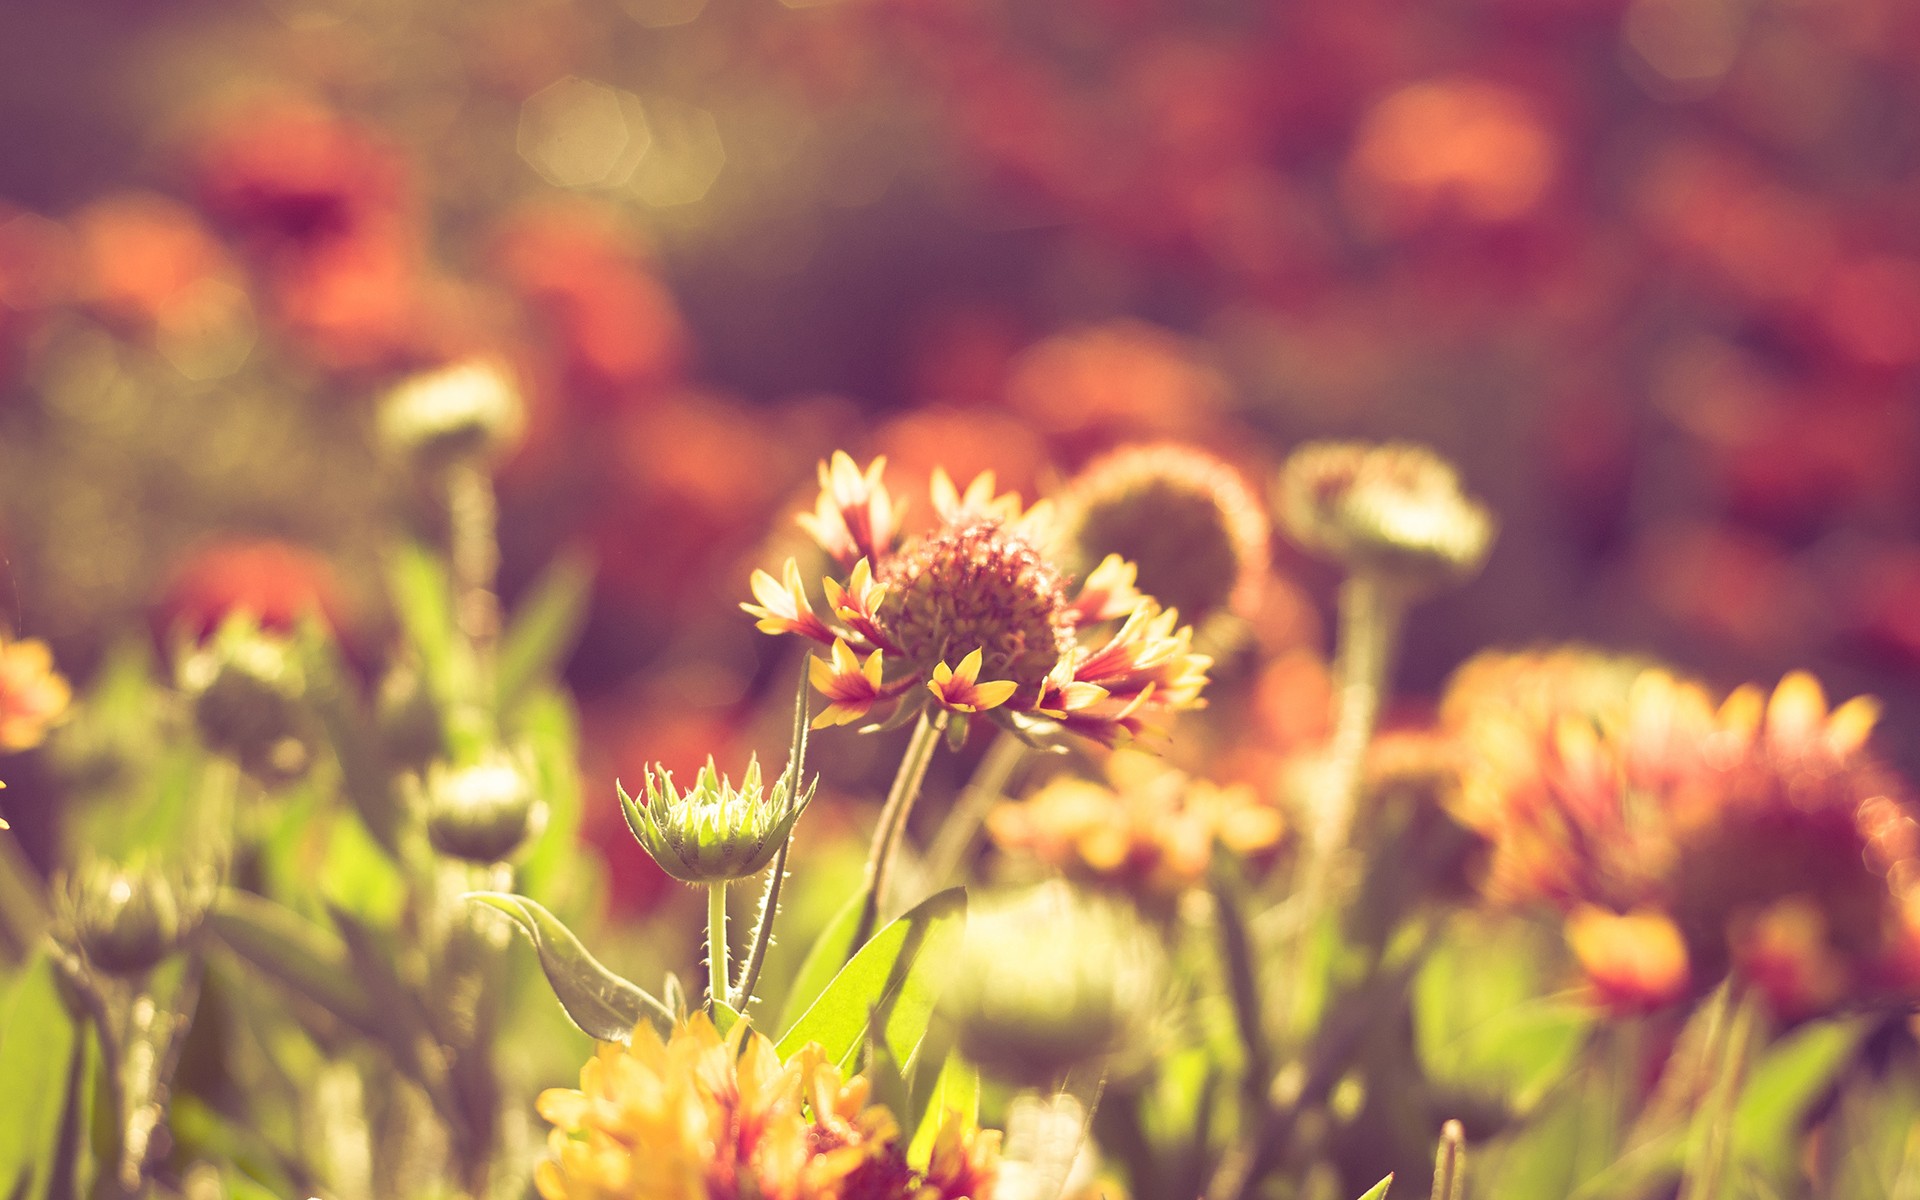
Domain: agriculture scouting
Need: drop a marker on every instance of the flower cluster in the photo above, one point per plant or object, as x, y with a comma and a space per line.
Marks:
974, 614
1149, 831
1687, 838
697, 1115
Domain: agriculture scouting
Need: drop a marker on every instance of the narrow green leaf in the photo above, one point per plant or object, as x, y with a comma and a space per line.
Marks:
829, 953
895, 978
544, 628
725, 1016
297, 954
1787, 1082
958, 1091
1379, 1190
601, 1003
39, 1043
365, 776
1872, 1144
423, 600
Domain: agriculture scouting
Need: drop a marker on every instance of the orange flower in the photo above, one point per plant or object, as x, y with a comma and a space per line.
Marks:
976, 588
33, 696
1636, 962
697, 1115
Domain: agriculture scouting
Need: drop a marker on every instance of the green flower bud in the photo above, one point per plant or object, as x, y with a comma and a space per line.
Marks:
1050, 979
713, 832
127, 919
481, 812
459, 413
411, 728
1395, 509
249, 701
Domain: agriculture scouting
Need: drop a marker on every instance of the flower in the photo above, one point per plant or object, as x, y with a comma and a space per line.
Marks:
1149, 831
713, 832
977, 591
249, 695
1761, 828
696, 1115
126, 918
484, 810
1049, 979
1395, 509
460, 412
1179, 517
33, 696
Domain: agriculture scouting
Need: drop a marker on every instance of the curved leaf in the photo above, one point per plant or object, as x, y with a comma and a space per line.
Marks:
957, 1090
829, 952
894, 981
601, 1003
300, 955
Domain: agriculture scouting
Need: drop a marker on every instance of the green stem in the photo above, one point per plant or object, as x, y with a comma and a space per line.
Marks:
716, 945
1711, 1134
1450, 1163
983, 791
893, 823
474, 554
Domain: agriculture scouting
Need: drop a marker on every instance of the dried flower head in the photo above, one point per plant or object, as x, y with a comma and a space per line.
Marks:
1050, 979
1148, 832
713, 831
1194, 531
33, 696
696, 1116
1395, 509
973, 615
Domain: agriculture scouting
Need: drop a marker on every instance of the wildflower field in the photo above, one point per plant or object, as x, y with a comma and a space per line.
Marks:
959, 600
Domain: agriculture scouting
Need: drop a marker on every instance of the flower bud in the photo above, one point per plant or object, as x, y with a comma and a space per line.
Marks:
127, 919
481, 812
713, 832
1048, 980
459, 413
1395, 508
412, 731
248, 693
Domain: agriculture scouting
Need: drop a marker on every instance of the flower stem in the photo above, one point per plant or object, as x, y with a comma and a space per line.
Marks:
716, 945
1734, 1031
983, 791
474, 554
893, 823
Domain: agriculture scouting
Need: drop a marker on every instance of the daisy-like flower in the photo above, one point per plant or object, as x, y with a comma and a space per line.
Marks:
1759, 832
1395, 508
1148, 831
33, 696
974, 616
697, 1115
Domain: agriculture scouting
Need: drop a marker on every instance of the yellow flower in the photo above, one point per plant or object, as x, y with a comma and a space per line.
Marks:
33, 696
697, 1115
976, 588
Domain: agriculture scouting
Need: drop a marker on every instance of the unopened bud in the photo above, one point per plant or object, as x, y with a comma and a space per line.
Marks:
1049, 980
713, 831
249, 701
481, 812
1395, 509
412, 731
460, 413
127, 919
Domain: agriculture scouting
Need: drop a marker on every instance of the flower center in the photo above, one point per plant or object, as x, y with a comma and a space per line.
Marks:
981, 587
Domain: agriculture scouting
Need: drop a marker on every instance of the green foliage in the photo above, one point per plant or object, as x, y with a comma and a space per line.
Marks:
543, 631
43, 1063
895, 979
602, 1004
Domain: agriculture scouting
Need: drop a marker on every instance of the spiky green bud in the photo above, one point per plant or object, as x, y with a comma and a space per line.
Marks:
713, 832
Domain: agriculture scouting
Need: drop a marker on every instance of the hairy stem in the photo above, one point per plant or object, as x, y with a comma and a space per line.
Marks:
717, 974
893, 823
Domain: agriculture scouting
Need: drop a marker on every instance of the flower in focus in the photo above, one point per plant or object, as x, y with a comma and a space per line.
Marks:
713, 831
1183, 517
975, 617
33, 696
1149, 832
695, 1116
1395, 509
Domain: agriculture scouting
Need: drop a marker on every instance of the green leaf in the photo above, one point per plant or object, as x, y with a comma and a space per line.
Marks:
299, 955
1484, 1023
1872, 1146
601, 1003
552, 868
896, 978
1785, 1085
1379, 1190
725, 1016
956, 1090
544, 629
423, 600
41, 1051
830, 952
365, 776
